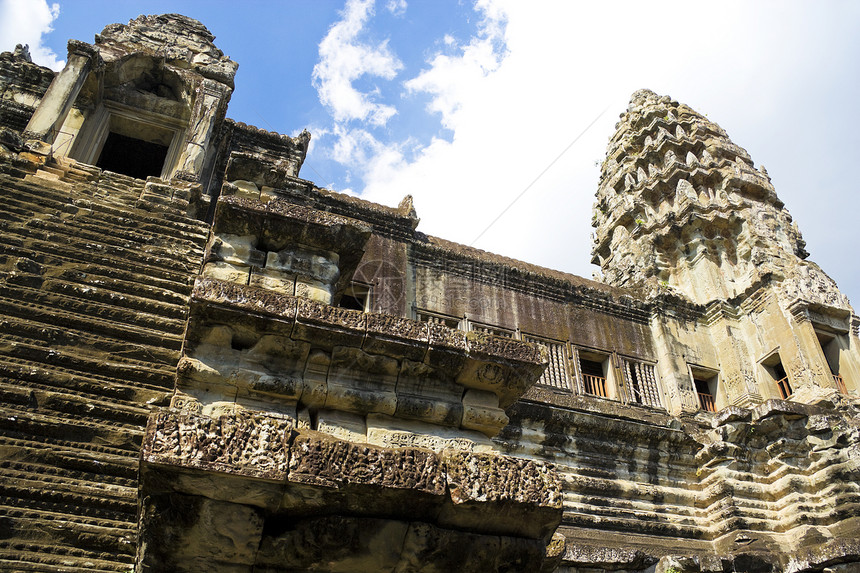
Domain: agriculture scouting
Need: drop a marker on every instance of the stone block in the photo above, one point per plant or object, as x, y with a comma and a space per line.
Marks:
361, 382
334, 544
246, 189
342, 425
501, 494
324, 460
243, 303
228, 272
331, 475
423, 395
316, 379
396, 336
446, 349
431, 549
235, 249
273, 280
246, 443
789, 410
235, 216
192, 533
481, 412
390, 432
730, 415
328, 326
313, 290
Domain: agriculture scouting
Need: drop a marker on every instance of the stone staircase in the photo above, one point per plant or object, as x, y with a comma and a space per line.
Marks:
95, 272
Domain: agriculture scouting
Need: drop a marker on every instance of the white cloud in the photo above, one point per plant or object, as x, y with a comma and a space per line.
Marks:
396, 7
344, 58
775, 75
536, 75
450, 78
25, 22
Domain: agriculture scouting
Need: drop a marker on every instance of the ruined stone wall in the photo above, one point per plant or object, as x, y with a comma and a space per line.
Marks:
22, 85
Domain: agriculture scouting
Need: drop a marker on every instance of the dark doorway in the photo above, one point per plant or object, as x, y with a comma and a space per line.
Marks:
133, 157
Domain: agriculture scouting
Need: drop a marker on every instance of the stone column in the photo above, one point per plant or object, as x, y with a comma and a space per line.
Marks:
209, 108
62, 92
672, 367
737, 371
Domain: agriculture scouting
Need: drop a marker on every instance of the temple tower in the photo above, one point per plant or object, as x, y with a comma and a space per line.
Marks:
682, 211
146, 99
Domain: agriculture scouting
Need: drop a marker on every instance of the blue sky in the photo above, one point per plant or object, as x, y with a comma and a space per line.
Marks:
463, 104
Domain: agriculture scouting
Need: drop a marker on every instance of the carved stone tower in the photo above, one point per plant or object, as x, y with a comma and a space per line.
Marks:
682, 211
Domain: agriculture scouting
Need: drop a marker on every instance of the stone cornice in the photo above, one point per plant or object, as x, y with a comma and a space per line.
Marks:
505, 367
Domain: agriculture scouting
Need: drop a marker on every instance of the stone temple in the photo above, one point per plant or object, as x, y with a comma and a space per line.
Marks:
210, 364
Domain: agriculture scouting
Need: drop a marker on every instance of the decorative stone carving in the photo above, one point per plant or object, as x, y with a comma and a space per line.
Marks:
243, 443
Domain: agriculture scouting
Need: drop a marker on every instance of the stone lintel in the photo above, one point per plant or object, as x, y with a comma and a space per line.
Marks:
503, 494
831, 318
244, 443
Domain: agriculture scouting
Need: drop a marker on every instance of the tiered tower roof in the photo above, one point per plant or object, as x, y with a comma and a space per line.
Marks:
680, 205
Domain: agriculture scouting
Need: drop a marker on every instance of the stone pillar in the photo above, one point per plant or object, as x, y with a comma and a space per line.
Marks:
61, 94
678, 389
737, 372
209, 108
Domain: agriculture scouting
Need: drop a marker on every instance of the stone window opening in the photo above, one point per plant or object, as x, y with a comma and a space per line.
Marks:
830, 346
594, 372
557, 373
774, 368
705, 381
130, 142
131, 118
356, 297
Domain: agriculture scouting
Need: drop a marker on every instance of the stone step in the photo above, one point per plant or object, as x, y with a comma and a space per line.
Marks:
57, 336
616, 519
83, 312
67, 238
132, 371
14, 256
120, 216
149, 244
35, 464
97, 460
52, 529
91, 494
69, 430
32, 376
119, 528
37, 314
116, 211
96, 296
62, 402
54, 170
20, 557
39, 245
